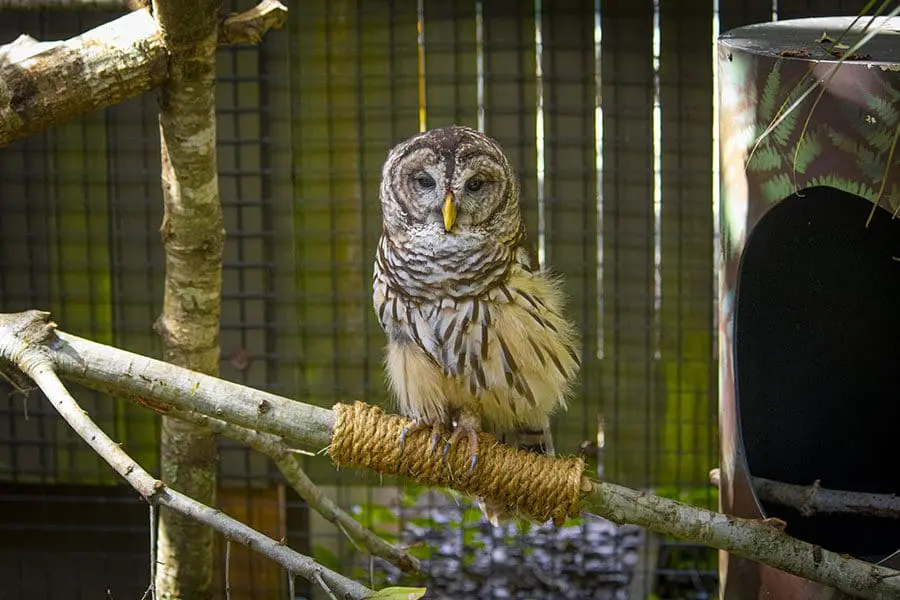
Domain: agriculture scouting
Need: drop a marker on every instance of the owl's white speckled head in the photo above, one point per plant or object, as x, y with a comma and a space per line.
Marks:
450, 186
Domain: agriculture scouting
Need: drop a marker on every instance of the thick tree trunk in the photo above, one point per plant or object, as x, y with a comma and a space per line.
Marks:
193, 235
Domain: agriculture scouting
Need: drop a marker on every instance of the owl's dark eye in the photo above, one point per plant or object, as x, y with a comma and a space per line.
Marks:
474, 184
425, 181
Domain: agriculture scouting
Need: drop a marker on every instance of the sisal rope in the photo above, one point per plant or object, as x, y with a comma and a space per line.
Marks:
527, 484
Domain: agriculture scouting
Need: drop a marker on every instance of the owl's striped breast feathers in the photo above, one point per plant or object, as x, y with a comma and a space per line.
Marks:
507, 353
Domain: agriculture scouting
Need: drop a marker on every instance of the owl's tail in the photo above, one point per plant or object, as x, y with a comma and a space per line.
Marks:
539, 441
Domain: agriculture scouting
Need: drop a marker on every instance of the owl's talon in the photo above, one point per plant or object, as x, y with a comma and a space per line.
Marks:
471, 434
403, 433
419, 425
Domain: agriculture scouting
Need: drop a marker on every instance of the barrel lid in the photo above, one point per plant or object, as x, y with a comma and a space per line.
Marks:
811, 39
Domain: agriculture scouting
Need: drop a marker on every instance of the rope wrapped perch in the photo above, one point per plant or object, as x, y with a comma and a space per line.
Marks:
527, 484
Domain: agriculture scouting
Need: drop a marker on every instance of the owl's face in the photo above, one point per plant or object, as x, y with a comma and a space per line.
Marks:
447, 184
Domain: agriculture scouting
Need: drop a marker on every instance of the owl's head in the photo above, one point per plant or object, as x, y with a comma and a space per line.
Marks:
453, 181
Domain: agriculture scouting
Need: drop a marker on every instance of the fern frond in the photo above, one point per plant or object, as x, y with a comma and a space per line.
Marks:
842, 183
879, 139
808, 149
778, 188
868, 160
783, 131
882, 107
765, 159
823, 81
890, 159
770, 92
892, 92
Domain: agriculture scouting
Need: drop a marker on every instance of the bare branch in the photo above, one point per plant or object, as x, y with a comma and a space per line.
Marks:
60, 80
145, 381
756, 540
78, 5
47, 83
250, 26
273, 447
34, 361
814, 499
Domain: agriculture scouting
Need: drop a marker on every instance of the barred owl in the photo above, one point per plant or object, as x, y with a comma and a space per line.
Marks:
477, 339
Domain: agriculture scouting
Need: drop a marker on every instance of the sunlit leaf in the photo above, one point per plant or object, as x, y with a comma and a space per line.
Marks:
399, 593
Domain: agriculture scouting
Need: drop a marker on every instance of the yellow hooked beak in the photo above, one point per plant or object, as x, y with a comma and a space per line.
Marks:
449, 211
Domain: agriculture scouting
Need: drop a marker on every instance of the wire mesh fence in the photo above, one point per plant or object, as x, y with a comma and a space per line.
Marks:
606, 111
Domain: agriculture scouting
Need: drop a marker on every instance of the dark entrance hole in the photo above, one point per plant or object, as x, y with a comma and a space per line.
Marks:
817, 359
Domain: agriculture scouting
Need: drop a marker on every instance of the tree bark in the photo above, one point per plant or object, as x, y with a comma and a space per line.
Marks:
193, 235
163, 387
47, 83
44, 83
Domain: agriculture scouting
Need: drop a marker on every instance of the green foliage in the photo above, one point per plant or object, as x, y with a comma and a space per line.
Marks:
766, 158
778, 187
399, 593
771, 93
881, 106
326, 558
808, 149
868, 160
703, 496
854, 187
879, 138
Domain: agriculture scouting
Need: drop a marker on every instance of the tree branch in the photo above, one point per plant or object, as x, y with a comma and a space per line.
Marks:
108, 64
35, 362
250, 26
162, 387
273, 447
753, 539
814, 499
77, 5
47, 83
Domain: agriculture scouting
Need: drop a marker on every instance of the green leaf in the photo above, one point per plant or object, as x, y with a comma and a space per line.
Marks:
326, 557
770, 93
766, 158
424, 552
778, 187
881, 107
399, 593
809, 150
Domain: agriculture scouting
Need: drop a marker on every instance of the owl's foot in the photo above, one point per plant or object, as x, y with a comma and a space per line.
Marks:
419, 425
471, 434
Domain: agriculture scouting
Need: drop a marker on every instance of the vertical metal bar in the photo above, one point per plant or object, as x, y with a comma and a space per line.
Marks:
539, 133
420, 48
598, 168
479, 61
657, 188
716, 167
